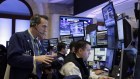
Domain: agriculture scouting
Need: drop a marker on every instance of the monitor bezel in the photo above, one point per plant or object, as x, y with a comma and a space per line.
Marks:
114, 12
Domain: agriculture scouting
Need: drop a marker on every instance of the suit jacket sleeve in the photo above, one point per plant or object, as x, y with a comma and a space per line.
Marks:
16, 51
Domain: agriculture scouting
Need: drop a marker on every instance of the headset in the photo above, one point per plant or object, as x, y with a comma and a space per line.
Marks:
35, 20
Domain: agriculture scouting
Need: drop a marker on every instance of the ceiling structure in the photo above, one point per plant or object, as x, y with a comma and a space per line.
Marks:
66, 2
121, 6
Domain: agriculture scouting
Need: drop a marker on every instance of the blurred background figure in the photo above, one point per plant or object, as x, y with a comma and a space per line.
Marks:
3, 60
72, 47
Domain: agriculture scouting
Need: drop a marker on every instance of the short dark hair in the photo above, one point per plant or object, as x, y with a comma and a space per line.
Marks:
81, 44
72, 44
135, 33
36, 19
60, 46
49, 48
3, 49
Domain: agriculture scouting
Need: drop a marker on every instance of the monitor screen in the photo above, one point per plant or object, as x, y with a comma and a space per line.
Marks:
66, 39
102, 38
127, 63
91, 56
124, 31
109, 59
77, 29
120, 29
111, 38
53, 41
93, 36
45, 44
100, 54
66, 21
109, 14
78, 38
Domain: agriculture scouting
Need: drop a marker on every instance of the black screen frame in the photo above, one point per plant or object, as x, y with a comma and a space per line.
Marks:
114, 14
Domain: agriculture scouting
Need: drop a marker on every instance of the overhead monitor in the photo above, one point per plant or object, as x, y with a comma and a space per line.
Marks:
66, 21
109, 15
100, 54
77, 29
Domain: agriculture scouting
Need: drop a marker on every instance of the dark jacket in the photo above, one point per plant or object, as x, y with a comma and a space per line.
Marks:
20, 55
79, 63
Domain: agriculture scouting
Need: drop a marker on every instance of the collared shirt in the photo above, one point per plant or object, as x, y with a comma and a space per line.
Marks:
34, 62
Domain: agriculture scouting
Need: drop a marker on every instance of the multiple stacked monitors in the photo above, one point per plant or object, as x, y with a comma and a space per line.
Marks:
109, 14
73, 25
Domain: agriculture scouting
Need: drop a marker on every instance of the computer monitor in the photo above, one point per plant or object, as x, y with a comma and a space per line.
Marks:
64, 26
111, 38
78, 38
91, 56
53, 41
66, 39
109, 59
102, 38
109, 15
127, 64
120, 29
77, 29
100, 54
66, 21
93, 38
45, 44
124, 32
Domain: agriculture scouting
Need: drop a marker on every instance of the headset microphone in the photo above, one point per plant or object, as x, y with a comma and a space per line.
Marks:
39, 31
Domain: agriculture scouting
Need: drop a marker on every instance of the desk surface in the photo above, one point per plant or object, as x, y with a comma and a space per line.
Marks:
102, 75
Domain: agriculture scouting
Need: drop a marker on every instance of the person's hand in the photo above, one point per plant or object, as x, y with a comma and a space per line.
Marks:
47, 59
97, 72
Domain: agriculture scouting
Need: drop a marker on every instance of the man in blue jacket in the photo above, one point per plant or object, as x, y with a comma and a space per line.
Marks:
25, 54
